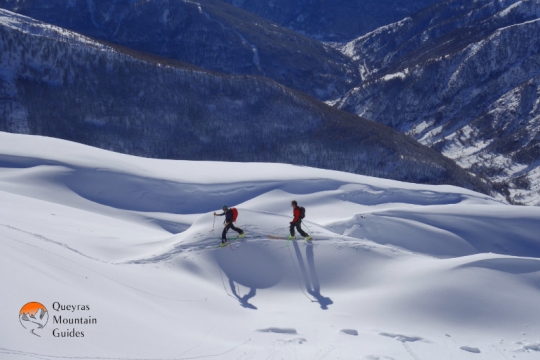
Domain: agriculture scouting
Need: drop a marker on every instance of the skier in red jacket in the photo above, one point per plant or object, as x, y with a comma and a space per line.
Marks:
229, 219
297, 222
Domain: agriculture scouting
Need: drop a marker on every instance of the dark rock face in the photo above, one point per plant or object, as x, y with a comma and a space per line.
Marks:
58, 83
333, 20
206, 33
463, 78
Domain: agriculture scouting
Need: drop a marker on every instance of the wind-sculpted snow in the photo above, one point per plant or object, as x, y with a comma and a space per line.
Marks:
394, 269
508, 265
462, 78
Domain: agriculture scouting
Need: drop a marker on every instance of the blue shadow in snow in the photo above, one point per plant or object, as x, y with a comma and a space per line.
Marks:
249, 265
244, 300
311, 280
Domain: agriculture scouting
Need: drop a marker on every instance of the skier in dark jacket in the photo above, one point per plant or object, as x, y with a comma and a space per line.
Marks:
228, 224
297, 222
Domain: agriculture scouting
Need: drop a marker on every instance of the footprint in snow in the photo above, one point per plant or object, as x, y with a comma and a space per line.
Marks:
470, 349
296, 340
532, 346
349, 332
403, 338
278, 330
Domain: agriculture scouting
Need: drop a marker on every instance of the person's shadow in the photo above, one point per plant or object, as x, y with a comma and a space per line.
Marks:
250, 266
311, 280
244, 300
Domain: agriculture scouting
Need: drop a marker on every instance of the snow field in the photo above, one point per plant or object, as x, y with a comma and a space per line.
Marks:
396, 270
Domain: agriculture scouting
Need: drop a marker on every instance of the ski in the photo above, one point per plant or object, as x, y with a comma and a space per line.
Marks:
277, 237
273, 237
230, 240
286, 238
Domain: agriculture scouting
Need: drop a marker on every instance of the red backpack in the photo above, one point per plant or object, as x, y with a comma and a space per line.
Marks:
234, 214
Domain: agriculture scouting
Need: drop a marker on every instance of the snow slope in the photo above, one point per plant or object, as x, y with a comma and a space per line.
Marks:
396, 270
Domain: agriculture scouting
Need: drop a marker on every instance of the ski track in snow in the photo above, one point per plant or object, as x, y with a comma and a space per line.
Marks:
41, 237
417, 262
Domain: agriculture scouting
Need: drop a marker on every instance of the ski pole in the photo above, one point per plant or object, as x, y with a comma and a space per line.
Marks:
306, 226
214, 223
228, 239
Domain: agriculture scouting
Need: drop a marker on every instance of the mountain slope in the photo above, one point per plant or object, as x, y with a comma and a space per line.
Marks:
207, 33
337, 20
58, 83
462, 78
396, 270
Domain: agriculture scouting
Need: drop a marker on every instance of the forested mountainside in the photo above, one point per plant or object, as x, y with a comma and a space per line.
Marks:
336, 20
463, 78
207, 33
57, 83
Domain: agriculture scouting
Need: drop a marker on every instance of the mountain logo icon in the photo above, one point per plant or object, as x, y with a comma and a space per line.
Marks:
33, 317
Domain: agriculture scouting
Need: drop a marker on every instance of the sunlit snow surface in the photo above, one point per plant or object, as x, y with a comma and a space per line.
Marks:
396, 270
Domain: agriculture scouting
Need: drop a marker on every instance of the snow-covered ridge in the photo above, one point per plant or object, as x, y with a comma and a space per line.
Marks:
34, 27
212, 35
394, 269
349, 48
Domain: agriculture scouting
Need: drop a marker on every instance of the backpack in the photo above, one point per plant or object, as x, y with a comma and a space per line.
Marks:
302, 212
234, 214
